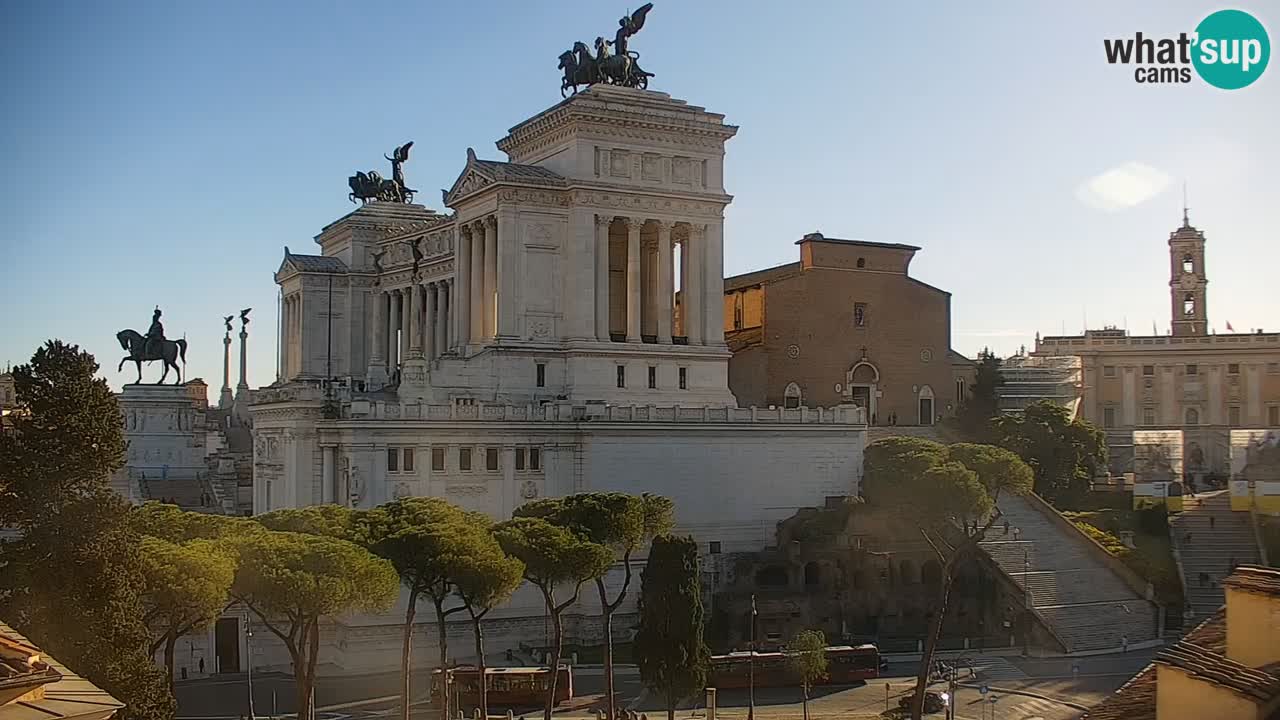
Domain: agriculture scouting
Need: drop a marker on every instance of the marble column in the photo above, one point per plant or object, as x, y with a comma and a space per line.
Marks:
694, 294
477, 282
393, 341
490, 277
633, 279
379, 343
244, 359
429, 343
713, 284
283, 340
602, 277
665, 279
462, 271
508, 263
444, 313
327, 482
415, 320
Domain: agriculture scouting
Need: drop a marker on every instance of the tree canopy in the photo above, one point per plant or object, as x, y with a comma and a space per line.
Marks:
1064, 454
669, 645
982, 404
72, 581
807, 658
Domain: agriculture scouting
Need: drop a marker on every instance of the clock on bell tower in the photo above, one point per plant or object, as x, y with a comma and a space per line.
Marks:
1187, 280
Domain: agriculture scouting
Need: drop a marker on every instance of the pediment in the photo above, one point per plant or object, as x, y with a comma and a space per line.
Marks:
472, 178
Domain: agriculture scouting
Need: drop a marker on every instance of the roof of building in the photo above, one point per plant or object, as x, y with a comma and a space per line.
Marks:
956, 358
316, 263
1213, 667
757, 277
1136, 699
819, 237
1255, 579
21, 668
69, 696
515, 172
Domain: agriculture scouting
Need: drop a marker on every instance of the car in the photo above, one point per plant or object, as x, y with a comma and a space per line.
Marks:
933, 701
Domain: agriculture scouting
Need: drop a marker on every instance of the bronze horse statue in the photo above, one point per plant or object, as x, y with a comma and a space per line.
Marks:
170, 352
582, 68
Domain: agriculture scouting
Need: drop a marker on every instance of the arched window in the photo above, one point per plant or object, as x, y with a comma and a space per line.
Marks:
812, 574
1188, 264
791, 397
771, 576
907, 572
931, 573
1193, 416
1189, 304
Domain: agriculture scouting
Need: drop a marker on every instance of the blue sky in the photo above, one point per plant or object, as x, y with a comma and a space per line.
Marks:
166, 152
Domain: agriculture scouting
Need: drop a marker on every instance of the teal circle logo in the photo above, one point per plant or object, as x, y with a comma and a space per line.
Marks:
1232, 49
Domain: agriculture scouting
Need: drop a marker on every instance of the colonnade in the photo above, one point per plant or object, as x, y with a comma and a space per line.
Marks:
416, 321
291, 329
646, 248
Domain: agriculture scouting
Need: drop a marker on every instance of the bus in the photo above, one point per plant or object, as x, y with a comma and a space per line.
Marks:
516, 687
846, 665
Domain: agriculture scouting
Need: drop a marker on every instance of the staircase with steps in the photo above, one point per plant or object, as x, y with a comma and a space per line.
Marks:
1083, 600
1218, 537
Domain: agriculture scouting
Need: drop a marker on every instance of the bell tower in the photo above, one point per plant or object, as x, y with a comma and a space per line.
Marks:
1187, 280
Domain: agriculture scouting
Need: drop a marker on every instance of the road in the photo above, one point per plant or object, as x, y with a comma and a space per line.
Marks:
1082, 681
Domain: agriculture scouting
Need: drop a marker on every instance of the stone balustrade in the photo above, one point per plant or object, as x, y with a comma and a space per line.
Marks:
382, 410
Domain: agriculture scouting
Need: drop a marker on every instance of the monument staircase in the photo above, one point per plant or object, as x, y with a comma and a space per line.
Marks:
1081, 597
1207, 538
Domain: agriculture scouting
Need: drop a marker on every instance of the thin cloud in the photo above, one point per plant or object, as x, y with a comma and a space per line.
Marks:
1122, 187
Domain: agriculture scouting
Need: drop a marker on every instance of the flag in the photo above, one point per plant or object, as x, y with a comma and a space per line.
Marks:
1229, 328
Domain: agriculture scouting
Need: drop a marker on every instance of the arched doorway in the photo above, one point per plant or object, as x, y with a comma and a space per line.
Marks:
860, 386
927, 413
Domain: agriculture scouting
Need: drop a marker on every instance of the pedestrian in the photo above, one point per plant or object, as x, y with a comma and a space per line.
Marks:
1211, 522
201, 666
1006, 527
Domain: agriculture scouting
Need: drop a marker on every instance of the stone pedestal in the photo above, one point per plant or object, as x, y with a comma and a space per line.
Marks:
166, 435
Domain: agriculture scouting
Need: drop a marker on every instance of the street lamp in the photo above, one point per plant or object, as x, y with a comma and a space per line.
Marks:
248, 646
751, 665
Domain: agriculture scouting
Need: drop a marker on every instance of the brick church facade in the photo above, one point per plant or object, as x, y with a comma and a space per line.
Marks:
846, 324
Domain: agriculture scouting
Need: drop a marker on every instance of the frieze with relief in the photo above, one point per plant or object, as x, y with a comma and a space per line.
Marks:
641, 203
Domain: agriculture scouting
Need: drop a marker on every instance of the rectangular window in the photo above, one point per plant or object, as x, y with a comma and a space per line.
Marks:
408, 460
437, 459
1108, 371
1193, 369
519, 458
1273, 368
464, 459
1273, 416
393, 459
653, 377
684, 378
535, 459
622, 376
542, 374
1148, 416
1233, 415
1148, 370
491, 459
859, 314
1108, 417
1233, 369
715, 547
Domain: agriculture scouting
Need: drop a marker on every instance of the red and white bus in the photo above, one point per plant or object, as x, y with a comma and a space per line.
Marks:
846, 665
516, 687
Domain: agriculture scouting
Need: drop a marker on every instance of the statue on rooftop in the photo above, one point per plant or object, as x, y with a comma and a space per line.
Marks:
371, 186
618, 66
152, 346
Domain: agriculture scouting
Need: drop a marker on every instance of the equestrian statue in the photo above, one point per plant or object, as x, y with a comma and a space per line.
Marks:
617, 66
153, 346
370, 186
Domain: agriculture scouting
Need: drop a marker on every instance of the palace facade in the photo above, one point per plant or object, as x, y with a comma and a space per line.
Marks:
1203, 384
559, 330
